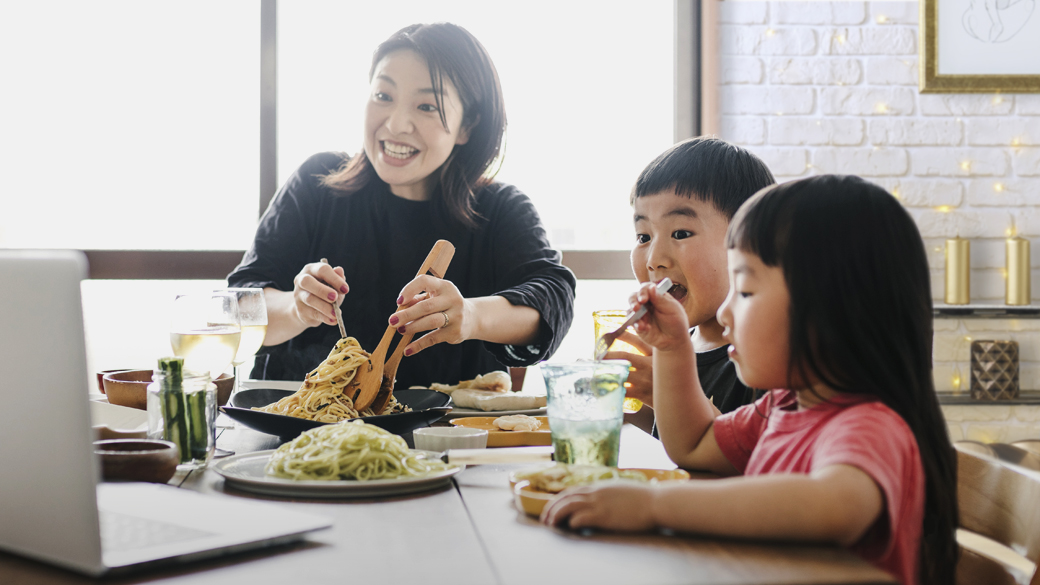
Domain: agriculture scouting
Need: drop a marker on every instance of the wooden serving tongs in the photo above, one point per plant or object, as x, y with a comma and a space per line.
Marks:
376, 381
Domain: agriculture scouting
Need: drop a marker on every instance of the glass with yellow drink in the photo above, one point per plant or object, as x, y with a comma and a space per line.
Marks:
605, 322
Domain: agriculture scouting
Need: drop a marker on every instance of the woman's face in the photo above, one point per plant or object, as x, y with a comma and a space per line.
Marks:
756, 319
404, 137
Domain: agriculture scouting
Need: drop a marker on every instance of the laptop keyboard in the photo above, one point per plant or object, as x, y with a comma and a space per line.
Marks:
122, 532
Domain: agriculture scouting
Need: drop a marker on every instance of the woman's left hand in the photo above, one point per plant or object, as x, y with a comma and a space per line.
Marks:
433, 304
620, 506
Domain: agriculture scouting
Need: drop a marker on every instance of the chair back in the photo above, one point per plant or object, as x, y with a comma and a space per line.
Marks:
1000, 502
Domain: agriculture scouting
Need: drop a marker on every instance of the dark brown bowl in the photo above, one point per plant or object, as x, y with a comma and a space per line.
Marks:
128, 388
225, 384
137, 459
101, 375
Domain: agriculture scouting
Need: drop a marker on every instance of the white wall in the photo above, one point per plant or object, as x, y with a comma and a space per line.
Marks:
831, 87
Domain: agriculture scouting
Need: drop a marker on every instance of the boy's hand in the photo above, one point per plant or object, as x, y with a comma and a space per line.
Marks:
640, 383
665, 325
616, 505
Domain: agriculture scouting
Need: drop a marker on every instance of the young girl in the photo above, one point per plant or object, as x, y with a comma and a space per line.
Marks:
829, 302
434, 126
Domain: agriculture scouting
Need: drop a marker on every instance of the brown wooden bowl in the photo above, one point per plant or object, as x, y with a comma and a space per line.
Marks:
137, 459
225, 383
129, 388
101, 378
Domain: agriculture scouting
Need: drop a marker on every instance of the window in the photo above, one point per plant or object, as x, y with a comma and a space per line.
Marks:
129, 125
588, 89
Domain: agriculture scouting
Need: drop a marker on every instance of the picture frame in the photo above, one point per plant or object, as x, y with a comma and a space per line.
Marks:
979, 46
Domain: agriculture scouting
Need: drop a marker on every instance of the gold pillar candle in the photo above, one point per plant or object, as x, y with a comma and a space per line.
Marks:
1018, 272
958, 272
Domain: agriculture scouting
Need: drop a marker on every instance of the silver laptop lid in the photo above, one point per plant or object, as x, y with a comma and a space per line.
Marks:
48, 472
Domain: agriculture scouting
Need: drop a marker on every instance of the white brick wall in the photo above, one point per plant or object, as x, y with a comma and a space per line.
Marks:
831, 87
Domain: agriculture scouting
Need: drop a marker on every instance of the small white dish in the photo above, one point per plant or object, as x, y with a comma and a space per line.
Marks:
444, 438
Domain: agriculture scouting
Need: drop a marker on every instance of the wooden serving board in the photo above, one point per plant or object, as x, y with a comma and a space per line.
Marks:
499, 438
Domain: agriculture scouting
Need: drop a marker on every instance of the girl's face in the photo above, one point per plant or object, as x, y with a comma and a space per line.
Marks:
755, 316
404, 137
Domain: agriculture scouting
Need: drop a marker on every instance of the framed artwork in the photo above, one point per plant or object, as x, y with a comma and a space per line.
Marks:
980, 46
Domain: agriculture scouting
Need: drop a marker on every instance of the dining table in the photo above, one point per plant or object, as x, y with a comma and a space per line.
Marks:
470, 532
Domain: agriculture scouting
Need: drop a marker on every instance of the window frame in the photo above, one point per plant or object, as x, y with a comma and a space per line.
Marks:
217, 264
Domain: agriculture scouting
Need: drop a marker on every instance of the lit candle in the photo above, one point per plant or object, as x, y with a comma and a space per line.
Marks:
1018, 275
958, 276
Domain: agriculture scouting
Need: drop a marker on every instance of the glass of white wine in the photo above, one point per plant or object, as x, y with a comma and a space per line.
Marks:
206, 331
252, 314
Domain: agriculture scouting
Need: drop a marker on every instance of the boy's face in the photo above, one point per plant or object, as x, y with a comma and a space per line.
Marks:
683, 238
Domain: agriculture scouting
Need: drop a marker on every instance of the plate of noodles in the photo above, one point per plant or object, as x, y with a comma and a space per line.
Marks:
343, 460
325, 396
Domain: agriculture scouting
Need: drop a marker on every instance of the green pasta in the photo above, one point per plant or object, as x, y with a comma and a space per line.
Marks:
349, 450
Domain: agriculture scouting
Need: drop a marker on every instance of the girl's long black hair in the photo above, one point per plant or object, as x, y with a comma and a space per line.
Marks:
861, 317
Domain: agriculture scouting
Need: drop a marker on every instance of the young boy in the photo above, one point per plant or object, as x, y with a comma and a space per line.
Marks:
683, 202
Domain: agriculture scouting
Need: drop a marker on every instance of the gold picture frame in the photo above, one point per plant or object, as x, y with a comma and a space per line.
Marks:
931, 81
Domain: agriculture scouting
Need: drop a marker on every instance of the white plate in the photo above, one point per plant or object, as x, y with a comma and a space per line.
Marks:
246, 472
457, 412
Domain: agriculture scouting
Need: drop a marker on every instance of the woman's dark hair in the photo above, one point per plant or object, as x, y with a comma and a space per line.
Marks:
708, 169
861, 317
449, 51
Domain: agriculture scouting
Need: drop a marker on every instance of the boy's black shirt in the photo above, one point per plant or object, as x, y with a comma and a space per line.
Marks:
718, 376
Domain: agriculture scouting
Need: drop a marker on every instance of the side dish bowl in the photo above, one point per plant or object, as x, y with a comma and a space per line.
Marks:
444, 438
130, 388
137, 459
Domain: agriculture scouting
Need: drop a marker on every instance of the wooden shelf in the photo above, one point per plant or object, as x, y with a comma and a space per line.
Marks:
986, 311
1031, 397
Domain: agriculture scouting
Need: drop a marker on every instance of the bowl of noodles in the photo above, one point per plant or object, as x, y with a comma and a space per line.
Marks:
423, 408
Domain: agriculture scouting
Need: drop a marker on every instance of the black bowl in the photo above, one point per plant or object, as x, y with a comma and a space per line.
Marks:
427, 406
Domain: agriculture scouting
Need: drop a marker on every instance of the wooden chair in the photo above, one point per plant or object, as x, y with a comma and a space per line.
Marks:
1012, 453
1031, 445
1000, 502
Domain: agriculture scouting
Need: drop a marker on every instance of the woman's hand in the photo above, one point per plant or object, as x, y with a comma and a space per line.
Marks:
315, 290
665, 325
618, 505
434, 304
640, 383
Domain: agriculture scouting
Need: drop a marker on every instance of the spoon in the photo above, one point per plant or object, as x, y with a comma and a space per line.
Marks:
608, 339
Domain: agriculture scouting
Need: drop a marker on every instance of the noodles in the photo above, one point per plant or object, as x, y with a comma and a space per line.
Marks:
349, 450
325, 395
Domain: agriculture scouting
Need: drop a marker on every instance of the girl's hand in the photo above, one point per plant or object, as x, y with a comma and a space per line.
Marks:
640, 383
434, 304
315, 289
665, 325
618, 505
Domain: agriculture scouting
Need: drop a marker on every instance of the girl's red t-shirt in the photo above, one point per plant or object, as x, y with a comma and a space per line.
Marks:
772, 436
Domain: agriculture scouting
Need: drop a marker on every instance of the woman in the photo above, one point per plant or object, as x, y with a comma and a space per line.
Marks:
434, 126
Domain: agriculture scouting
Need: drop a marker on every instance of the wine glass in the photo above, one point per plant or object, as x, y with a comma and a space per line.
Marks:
252, 313
205, 330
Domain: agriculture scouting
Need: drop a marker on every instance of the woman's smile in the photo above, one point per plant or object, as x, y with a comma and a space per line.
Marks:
397, 154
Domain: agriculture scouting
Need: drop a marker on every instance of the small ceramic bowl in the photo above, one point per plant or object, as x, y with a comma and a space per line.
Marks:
130, 388
444, 438
101, 376
137, 460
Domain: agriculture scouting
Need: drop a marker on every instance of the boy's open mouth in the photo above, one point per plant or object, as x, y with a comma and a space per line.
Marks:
678, 292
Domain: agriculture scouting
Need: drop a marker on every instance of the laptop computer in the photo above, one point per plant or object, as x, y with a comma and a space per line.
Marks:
52, 507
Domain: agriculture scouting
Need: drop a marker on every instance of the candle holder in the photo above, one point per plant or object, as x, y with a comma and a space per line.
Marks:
994, 370
958, 272
1018, 272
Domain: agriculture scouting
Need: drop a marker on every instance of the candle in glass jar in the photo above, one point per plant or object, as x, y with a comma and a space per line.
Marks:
1018, 273
958, 271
